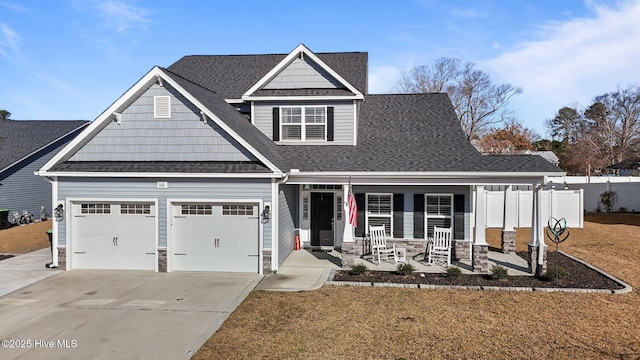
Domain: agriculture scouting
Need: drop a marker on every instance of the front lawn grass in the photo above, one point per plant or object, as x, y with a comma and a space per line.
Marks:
392, 323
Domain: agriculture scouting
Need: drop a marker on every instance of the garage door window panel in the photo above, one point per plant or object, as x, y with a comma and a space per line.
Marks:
196, 209
95, 208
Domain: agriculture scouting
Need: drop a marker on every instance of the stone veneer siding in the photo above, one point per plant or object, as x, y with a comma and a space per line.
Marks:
533, 262
352, 251
162, 260
62, 258
266, 261
509, 241
480, 258
461, 249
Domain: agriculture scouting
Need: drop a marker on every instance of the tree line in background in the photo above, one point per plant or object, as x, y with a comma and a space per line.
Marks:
600, 138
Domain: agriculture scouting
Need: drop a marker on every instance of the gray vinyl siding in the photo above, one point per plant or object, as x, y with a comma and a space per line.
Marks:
409, 191
22, 190
302, 74
342, 119
215, 189
287, 211
141, 137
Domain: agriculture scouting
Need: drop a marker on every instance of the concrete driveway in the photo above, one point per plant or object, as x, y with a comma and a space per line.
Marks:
84, 314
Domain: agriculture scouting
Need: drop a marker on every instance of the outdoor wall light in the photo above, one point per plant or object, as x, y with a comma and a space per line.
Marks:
266, 214
58, 212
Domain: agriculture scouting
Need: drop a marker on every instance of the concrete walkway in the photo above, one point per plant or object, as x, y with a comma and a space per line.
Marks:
25, 269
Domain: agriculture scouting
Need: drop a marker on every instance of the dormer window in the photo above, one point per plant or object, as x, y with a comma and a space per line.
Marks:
303, 123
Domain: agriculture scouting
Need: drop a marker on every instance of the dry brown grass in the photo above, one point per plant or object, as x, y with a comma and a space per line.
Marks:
24, 239
388, 323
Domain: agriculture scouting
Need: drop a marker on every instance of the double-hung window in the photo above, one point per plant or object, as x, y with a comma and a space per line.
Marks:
303, 123
380, 211
439, 211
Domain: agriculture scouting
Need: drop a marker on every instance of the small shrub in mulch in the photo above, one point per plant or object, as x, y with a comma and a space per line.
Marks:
453, 272
555, 273
405, 269
498, 272
358, 269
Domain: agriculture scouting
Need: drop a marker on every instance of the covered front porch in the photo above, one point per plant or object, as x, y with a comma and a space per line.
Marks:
409, 208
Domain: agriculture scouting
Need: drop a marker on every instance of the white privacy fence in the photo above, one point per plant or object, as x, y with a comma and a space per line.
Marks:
568, 204
627, 189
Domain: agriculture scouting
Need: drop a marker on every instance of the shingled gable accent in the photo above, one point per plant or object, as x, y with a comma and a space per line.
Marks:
301, 50
211, 105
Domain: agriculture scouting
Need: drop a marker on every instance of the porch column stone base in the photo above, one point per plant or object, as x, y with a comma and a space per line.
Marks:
508, 241
480, 258
533, 260
162, 260
266, 261
62, 257
351, 252
461, 249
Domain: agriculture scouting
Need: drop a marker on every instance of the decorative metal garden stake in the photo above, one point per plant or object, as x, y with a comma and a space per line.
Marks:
558, 230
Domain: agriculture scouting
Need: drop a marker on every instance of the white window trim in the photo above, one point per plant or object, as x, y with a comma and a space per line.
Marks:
426, 216
303, 132
390, 215
155, 107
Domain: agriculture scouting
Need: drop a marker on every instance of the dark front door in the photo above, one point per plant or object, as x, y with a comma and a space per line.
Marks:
321, 219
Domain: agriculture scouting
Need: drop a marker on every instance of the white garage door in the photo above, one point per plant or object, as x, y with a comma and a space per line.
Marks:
215, 237
108, 235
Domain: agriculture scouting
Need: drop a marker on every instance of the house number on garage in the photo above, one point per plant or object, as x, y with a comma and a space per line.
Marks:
163, 185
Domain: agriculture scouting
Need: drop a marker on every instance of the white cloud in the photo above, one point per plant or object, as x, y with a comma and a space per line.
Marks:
383, 78
9, 41
572, 61
122, 16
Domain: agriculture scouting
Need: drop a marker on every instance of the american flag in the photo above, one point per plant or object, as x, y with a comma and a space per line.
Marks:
353, 209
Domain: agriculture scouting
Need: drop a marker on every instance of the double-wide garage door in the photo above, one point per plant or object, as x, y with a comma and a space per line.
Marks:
215, 237
114, 235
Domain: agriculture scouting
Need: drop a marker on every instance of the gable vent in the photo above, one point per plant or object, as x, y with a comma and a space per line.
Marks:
161, 106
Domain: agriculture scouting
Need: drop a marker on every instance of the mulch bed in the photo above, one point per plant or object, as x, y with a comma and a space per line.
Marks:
579, 277
2, 257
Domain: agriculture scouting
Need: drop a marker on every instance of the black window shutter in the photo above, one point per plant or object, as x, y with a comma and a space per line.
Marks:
398, 216
360, 230
458, 216
330, 123
418, 216
276, 124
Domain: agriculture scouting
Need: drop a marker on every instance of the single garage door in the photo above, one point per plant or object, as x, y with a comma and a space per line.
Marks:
215, 237
114, 235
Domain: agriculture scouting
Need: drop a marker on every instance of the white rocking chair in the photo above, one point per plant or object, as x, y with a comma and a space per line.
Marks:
379, 246
440, 247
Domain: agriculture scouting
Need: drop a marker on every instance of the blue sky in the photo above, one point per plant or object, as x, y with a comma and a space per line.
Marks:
70, 59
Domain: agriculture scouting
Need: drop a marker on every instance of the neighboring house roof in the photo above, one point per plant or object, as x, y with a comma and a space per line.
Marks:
232, 75
406, 133
550, 156
20, 139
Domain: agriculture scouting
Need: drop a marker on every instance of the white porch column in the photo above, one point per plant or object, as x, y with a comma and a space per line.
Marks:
349, 230
510, 209
510, 221
537, 248
481, 216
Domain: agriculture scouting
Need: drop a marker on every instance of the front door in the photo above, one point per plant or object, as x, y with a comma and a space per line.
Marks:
322, 219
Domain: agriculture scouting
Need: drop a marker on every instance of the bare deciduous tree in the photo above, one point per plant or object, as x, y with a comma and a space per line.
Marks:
478, 102
510, 139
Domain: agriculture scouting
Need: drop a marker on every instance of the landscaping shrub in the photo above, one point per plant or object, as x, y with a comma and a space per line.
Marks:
405, 269
453, 272
499, 272
608, 199
623, 209
358, 269
555, 272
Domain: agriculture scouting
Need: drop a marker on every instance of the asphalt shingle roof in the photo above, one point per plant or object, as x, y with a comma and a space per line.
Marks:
21, 138
407, 133
197, 167
232, 75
